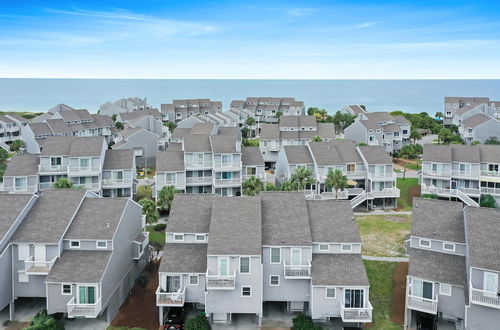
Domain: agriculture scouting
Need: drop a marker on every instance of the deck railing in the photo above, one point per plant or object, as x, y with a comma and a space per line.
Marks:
356, 314
221, 282
83, 310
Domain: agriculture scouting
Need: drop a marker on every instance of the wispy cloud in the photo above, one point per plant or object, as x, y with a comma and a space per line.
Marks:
300, 12
364, 25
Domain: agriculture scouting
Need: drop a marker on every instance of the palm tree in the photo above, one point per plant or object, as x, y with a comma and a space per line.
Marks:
405, 153
252, 186
165, 198
16, 145
301, 178
439, 115
149, 210
250, 121
63, 183
444, 135
337, 180
415, 135
42, 321
317, 138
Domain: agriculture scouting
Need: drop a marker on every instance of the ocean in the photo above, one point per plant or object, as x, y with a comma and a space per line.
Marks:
377, 95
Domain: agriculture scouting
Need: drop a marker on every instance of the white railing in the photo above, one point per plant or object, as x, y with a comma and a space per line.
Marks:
52, 168
198, 180
83, 310
297, 271
356, 314
262, 177
191, 164
358, 199
355, 191
227, 166
341, 194
22, 190
485, 298
382, 176
37, 267
437, 173
86, 169
89, 186
227, 182
116, 182
490, 173
422, 304
386, 192
170, 298
471, 191
46, 185
493, 191
355, 173
221, 282
467, 174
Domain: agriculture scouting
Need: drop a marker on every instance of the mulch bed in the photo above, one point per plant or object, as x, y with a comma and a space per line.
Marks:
399, 293
139, 310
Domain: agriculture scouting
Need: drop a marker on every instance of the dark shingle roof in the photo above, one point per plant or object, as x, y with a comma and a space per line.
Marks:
251, 156
375, 155
119, 159
223, 144
298, 155
184, 258
325, 153
11, 206
451, 153
338, 269
79, 267
73, 146
202, 128
97, 218
235, 226
190, 213
40, 129
476, 120
269, 132
435, 219
197, 143
285, 220
332, 221
437, 153
489, 153
170, 161
23, 164
58, 126
464, 153
437, 266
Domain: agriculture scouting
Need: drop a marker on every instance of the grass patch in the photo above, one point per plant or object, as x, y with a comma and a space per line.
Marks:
380, 275
413, 166
405, 186
156, 236
26, 114
384, 235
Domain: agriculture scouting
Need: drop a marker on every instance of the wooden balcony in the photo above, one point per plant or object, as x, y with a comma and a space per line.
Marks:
363, 315
221, 282
170, 298
83, 310
422, 304
297, 272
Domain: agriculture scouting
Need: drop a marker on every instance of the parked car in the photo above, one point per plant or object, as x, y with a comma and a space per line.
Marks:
174, 319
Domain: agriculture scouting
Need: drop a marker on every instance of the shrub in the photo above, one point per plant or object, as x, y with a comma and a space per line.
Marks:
487, 200
63, 183
199, 322
430, 196
159, 227
304, 322
42, 321
144, 192
16, 145
142, 280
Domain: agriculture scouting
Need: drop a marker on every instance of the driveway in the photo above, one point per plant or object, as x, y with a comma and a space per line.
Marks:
409, 174
427, 139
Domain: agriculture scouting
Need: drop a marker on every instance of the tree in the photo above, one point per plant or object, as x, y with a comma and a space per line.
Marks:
415, 135
250, 121
335, 179
439, 115
199, 322
487, 200
165, 198
171, 126
4, 155
444, 136
63, 183
144, 192
301, 178
119, 125
362, 144
252, 186
278, 115
113, 117
492, 140
16, 145
475, 142
149, 210
317, 138
406, 152
42, 321
245, 131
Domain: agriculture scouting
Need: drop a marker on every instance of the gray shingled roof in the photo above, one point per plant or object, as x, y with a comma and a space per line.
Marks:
235, 226
483, 231
326, 154
73, 146
298, 155
48, 219
180, 132
489, 153
119, 159
17, 117
338, 269
437, 266
375, 155
11, 206
223, 144
476, 120
269, 132
129, 131
324, 130
251, 156
197, 143
465, 153
184, 258
40, 129
442, 220
332, 221
285, 220
6, 120
452, 153
202, 128
58, 126
170, 161
97, 218
79, 267
190, 213
356, 109
23, 164
437, 153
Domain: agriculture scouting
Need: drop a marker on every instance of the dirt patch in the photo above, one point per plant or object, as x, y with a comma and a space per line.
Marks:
399, 293
413, 192
15, 325
139, 310
393, 218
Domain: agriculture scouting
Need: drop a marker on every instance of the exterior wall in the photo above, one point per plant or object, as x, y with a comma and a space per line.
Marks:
477, 276
321, 307
485, 131
356, 132
452, 307
194, 293
437, 246
482, 318
57, 302
147, 142
6, 278
336, 248
188, 238
28, 137
282, 168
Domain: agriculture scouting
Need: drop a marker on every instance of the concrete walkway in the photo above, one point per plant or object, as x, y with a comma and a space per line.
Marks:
390, 259
384, 213
409, 174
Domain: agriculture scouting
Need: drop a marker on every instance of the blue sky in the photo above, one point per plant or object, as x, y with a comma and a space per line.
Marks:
251, 39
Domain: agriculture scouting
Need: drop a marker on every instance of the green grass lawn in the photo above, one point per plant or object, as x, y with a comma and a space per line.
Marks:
156, 236
412, 166
383, 235
380, 275
404, 201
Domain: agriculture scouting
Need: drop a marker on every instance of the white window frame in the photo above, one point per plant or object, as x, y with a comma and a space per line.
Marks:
448, 243
271, 256
194, 276
23, 252
344, 250
101, 247
178, 240
246, 287
323, 245
70, 289
495, 276
74, 247
334, 293
443, 292
22, 277
249, 265
200, 235
271, 280
420, 240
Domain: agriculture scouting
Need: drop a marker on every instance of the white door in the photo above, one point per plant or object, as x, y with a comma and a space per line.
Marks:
490, 284
40, 255
295, 256
223, 266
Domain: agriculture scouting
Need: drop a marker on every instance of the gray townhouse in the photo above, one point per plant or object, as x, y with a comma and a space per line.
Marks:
149, 119
252, 163
123, 105
78, 251
479, 127
47, 115
85, 161
353, 109
291, 130
11, 125
144, 143
264, 109
458, 106
453, 270
235, 256
380, 129
461, 172
369, 170
179, 110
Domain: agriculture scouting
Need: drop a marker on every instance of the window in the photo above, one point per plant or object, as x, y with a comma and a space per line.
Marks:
198, 159
84, 162
246, 291
226, 160
444, 289
101, 244
223, 266
200, 238
354, 298
179, 237
425, 243
449, 247
170, 178
490, 283
493, 168
371, 138
422, 289
74, 244
55, 161
22, 277
275, 255
227, 175
346, 247
244, 265
274, 280
66, 289
330, 293
23, 252
193, 279
20, 183
351, 167
324, 247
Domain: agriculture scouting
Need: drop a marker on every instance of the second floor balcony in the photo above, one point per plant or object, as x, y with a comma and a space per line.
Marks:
382, 176
28, 189
234, 181
442, 174
221, 282
225, 166
84, 310
170, 298
190, 164
199, 180
38, 267
422, 304
360, 314
88, 186
297, 271
52, 168
78, 170
491, 191
384, 193
485, 298
490, 173
116, 183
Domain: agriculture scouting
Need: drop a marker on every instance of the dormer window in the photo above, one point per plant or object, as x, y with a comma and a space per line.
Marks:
74, 244
449, 247
424, 243
346, 247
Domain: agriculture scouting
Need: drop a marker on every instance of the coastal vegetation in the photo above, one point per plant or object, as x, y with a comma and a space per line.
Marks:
25, 114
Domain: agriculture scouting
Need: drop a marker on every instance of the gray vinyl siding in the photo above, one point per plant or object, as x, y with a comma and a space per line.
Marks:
336, 248
88, 245
146, 141
321, 307
150, 124
452, 306
57, 302
28, 137
6, 278
477, 277
282, 168
437, 246
485, 131
188, 238
194, 293
482, 318
356, 132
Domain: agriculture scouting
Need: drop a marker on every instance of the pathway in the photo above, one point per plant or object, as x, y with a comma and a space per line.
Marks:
384, 213
390, 259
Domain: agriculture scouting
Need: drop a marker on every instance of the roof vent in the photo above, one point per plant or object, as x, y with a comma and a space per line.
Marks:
107, 225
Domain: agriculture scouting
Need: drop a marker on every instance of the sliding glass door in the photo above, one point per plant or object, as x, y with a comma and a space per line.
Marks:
86, 295
354, 298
